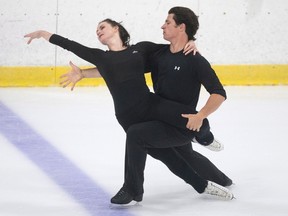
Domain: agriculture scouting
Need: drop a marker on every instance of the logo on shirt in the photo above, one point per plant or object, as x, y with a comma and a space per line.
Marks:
134, 51
177, 68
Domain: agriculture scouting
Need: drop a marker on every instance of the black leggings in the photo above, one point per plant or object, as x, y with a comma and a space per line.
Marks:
180, 160
173, 147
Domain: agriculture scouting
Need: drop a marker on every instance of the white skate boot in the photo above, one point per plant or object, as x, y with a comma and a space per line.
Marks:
214, 146
218, 191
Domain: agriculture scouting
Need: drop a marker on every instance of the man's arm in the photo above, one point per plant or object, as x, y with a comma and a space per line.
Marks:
212, 104
195, 120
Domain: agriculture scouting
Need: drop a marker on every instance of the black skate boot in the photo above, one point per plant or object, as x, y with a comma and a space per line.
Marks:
124, 197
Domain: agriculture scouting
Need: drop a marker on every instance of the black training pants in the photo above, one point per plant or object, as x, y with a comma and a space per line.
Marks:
173, 147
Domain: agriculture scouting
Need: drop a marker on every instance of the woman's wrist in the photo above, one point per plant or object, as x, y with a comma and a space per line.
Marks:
82, 74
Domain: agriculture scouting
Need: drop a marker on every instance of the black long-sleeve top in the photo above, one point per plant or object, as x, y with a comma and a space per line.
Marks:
123, 71
179, 77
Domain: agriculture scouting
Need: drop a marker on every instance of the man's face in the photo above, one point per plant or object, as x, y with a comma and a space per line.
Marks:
170, 29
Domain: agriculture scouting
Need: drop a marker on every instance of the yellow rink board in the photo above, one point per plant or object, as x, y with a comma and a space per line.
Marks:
228, 74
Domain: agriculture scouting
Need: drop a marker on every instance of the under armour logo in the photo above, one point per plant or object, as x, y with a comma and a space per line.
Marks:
177, 68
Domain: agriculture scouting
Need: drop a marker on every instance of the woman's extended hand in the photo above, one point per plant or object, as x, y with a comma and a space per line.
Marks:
72, 77
38, 34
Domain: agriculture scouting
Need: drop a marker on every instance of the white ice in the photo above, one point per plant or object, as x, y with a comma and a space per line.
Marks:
252, 124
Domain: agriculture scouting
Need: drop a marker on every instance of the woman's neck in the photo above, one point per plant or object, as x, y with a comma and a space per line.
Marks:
117, 48
116, 45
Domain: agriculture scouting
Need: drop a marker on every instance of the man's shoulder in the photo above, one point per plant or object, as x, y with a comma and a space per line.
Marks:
194, 56
197, 57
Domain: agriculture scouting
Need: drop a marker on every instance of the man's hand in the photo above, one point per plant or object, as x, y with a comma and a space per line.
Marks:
195, 121
72, 77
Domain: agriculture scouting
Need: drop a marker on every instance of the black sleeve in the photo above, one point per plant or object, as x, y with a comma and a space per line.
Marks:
208, 77
148, 49
89, 54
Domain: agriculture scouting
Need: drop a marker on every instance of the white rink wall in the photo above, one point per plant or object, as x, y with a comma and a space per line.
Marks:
231, 31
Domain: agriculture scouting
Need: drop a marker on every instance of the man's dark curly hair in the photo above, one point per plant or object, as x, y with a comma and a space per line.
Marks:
188, 17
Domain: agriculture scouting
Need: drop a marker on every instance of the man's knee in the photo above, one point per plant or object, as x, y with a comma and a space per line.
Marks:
135, 129
134, 132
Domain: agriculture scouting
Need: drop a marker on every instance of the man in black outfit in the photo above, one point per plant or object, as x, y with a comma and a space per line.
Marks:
179, 78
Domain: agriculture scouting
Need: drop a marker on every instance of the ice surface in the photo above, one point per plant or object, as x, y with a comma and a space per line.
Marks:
81, 127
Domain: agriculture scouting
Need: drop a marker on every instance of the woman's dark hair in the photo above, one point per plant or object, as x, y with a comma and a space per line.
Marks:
124, 35
188, 17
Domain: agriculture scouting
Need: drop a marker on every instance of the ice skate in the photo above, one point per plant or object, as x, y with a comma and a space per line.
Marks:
214, 146
218, 191
123, 197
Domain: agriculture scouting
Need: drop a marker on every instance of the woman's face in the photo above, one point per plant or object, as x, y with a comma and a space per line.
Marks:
105, 31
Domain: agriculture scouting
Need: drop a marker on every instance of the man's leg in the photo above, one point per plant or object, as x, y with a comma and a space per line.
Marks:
158, 135
140, 136
174, 161
199, 163
135, 160
158, 138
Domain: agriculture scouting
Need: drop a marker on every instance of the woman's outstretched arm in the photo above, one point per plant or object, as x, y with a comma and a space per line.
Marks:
38, 34
76, 74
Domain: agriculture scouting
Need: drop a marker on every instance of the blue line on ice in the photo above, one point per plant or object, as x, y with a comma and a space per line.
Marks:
59, 168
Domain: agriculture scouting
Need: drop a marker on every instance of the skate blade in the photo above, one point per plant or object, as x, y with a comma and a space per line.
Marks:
132, 204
